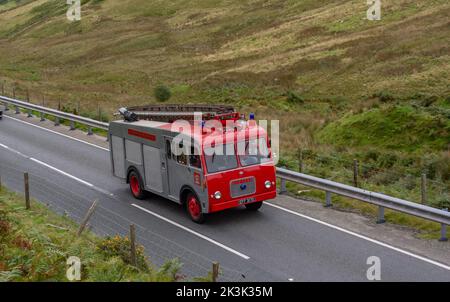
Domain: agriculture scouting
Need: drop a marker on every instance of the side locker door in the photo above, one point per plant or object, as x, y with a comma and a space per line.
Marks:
168, 168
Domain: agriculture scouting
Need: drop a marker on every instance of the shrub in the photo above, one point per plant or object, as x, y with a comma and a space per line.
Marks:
293, 97
162, 93
384, 96
118, 246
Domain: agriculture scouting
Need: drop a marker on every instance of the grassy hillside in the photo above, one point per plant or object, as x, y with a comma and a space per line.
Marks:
35, 245
320, 67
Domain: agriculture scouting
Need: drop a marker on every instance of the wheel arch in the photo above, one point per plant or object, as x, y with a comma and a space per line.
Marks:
185, 190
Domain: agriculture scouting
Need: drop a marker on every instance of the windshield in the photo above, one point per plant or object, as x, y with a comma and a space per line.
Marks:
253, 152
220, 161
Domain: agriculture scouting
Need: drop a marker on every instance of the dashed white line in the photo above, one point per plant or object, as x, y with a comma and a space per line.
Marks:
209, 239
193, 232
143, 209
441, 265
58, 133
62, 172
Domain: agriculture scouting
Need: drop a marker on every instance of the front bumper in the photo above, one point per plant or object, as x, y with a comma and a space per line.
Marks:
215, 205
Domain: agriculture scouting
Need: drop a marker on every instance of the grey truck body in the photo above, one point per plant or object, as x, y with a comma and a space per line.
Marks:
160, 171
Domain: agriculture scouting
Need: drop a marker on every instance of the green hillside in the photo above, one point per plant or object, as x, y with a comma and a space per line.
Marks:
320, 67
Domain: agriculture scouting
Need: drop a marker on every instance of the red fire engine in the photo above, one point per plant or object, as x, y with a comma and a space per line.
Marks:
207, 158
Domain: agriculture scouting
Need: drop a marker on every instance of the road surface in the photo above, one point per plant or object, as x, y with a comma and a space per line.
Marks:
269, 245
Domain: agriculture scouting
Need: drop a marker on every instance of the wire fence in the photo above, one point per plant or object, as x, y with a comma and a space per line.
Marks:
426, 184
106, 222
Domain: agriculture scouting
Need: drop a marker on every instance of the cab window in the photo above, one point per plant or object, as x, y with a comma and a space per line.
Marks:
194, 159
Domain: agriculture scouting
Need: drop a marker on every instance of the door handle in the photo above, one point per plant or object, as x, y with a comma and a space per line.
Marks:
163, 165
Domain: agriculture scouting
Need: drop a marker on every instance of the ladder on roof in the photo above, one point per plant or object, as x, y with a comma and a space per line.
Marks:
173, 112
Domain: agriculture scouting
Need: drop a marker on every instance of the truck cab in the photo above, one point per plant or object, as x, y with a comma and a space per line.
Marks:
206, 170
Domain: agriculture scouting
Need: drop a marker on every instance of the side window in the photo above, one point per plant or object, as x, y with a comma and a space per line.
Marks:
194, 158
182, 159
168, 150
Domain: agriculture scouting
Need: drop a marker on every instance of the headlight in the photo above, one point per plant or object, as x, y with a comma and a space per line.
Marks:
268, 184
218, 195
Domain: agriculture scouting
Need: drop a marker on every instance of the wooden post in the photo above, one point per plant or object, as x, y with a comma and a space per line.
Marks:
59, 104
133, 245
27, 190
355, 173
300, 160
215, 271
28, 96
14, 92
87, 217
43, 105
423, 188
3, 88
98, 112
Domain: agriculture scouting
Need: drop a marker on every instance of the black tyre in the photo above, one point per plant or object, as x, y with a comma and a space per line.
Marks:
136, 185
254, 206
194, 209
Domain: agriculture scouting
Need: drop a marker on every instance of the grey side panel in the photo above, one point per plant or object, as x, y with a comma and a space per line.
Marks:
133, 152
118, 156
152, 167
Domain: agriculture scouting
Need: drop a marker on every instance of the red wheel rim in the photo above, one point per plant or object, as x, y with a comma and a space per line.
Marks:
134, 183
194, 207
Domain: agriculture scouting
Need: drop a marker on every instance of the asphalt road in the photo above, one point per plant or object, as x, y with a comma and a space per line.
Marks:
269, 245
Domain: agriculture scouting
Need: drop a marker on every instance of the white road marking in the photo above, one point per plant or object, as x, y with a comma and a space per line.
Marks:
150, 212
217, 243
193, 232
57, 170
441, 265
58, 133
62, 172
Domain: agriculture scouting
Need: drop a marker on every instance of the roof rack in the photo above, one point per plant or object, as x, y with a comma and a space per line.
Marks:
173, 112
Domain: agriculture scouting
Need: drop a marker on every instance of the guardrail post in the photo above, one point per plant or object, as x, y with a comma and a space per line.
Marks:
57, 122
444, 231
17, 110
423, 188
283, 186
30, 113
72, 125
90, 131
381, 215
328, 203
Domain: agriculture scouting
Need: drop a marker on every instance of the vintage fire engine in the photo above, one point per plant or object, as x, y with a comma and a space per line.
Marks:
145, 152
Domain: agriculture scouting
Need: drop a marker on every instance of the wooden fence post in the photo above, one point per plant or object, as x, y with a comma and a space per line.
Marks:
355, 173
27, 190
87, 217
423, 188
133, 257
215, 271
300, 160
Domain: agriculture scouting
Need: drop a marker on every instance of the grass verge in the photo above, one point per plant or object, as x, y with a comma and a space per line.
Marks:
36, 244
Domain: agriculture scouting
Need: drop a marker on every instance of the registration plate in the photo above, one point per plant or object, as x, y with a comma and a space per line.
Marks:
247, 200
